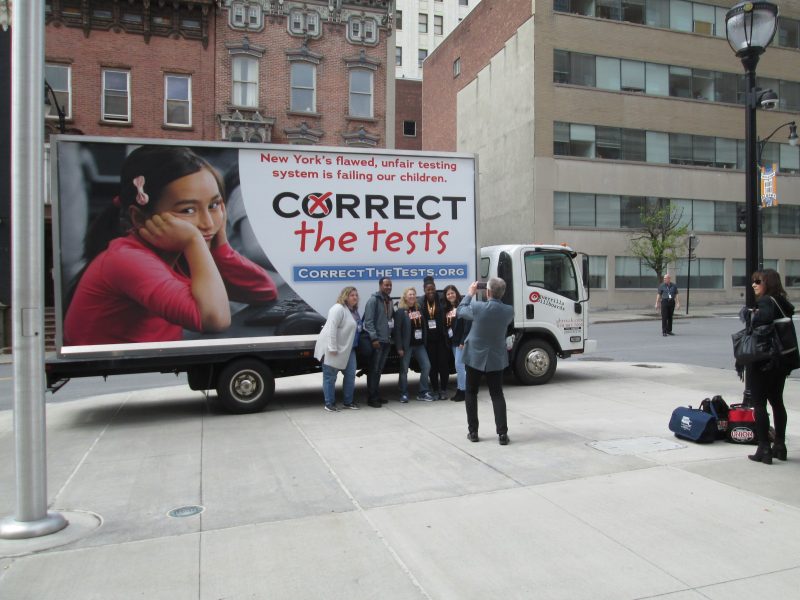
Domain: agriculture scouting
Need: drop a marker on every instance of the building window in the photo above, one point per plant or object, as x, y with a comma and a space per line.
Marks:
361, 93
463, 2
303, 84
410, 128
60, 79
237, 15
708, 273
362, 30
423, 23
398, 20
245, 14
792, 274
788, 33
422, 54
457, 67
245, 81
740, 279
304, 23
631, 273
597, 272
438, 24
178, 100
116, 96
398, 56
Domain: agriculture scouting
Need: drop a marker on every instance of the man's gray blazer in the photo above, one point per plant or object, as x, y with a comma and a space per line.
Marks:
485, 346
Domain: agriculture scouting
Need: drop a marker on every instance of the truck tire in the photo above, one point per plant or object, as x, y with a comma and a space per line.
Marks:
535, 362
245, 385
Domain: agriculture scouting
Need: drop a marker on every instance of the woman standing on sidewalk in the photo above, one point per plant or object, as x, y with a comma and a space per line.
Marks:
768, 378
436, 340
409, 339
335, 348
457, 330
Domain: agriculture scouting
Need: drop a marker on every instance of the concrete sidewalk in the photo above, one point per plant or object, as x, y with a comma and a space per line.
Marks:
594, 498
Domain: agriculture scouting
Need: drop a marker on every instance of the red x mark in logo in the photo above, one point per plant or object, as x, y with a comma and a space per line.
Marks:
318, 203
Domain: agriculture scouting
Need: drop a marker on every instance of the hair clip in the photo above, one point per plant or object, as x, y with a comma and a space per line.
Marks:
117, 202
141, 197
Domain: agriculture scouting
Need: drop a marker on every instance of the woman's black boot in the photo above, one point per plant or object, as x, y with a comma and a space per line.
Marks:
763, 454
779, 450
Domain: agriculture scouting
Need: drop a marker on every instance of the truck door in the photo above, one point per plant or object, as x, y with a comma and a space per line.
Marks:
551, 296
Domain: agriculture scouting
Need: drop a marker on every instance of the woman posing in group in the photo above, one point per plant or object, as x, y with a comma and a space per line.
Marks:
410, 334
335, 349
436, 341
457, 330
767, 378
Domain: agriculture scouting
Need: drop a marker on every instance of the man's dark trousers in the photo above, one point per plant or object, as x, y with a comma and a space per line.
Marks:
667, 310
376, 364
494, 380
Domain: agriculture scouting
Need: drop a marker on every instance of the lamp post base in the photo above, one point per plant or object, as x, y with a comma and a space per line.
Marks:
11, 529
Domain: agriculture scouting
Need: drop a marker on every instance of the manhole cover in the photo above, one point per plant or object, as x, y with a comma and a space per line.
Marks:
640, 445
645, 366
186, 511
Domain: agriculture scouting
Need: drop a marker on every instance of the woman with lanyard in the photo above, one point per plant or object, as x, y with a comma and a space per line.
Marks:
436, 340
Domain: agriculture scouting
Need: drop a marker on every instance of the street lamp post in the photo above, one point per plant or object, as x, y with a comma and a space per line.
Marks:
750, 27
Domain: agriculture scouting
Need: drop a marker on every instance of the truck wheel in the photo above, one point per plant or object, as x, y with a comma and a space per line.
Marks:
535, 363
245, 386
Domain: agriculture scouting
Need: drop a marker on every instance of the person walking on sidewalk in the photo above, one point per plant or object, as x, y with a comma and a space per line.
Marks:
378, 323
485, 353
335, 348
667, 297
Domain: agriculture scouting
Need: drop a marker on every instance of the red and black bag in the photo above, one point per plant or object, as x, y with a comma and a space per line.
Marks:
742, 425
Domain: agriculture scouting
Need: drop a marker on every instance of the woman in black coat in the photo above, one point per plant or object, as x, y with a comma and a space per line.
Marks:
767, 378
436, 340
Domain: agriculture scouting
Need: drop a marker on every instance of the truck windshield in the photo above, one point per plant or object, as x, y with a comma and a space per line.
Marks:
552, 271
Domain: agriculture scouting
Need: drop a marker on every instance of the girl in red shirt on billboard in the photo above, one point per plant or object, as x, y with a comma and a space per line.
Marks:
158, 258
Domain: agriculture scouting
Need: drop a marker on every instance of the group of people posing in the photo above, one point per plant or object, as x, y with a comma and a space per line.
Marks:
437, 329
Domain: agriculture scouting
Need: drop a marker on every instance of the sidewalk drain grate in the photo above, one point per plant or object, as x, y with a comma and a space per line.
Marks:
597, 359
646, 366
186, 511
640, 445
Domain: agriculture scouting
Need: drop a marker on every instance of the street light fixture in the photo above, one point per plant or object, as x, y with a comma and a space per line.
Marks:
750, 27
62, 117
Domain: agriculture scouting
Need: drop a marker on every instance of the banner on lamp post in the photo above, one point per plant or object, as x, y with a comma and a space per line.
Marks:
769, 186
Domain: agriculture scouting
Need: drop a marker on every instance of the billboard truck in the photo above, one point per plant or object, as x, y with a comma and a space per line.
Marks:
220, 259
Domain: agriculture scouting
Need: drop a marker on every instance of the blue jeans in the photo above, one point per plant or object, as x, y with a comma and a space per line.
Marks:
348, 384
425, 367
461, 369
376, 364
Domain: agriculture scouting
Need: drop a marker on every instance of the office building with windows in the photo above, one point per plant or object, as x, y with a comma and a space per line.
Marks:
584, 113
421, 25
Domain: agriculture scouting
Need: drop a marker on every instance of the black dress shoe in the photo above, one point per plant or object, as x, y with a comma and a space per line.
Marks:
472, 436
670, 333
374, 403
383, 401
664, 334
503, 439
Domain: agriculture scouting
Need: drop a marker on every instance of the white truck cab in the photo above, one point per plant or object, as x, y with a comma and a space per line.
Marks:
548, 287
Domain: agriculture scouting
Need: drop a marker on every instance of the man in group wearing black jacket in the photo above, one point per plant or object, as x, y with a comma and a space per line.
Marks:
378, 323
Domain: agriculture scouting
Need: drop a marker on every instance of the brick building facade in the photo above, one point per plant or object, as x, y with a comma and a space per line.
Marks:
408, 129
312, 72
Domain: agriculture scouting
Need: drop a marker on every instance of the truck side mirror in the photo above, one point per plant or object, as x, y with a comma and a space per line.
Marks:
585, 270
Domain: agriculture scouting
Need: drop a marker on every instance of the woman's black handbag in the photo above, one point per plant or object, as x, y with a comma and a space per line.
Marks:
787, 340
755, 344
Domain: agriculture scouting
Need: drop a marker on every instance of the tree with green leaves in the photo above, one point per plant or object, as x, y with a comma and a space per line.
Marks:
660, 239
